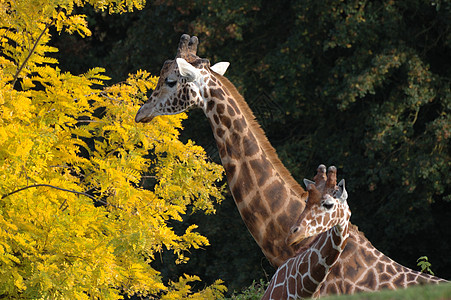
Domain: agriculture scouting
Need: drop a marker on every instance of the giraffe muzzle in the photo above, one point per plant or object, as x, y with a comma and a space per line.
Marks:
143, 120
143, 115
295, 236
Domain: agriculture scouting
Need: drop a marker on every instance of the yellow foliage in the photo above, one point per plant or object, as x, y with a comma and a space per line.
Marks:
181, 290
77, 219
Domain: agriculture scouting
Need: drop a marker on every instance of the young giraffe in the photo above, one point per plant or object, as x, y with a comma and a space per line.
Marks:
326, 215
268, 198
375, 273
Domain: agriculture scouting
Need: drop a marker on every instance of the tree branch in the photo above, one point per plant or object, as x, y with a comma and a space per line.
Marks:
50, 186
60, 189
16, 76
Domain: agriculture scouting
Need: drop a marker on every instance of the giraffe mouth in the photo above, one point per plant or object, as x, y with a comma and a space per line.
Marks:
142, 116
144, 120
145, 113
294, 239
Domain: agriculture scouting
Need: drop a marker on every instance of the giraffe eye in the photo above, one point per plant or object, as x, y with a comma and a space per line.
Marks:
328, 205
170, 82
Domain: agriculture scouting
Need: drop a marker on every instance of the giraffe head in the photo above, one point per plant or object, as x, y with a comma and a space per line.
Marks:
181, 83
326, 206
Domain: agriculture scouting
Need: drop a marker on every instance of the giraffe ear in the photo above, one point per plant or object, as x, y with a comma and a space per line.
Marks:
308, 182
187, 70
342, 193
220, 67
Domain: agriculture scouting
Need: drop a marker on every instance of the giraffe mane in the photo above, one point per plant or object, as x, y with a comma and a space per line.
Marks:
355, 228
262, 139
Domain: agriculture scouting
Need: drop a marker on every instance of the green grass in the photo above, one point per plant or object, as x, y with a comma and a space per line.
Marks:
421, 292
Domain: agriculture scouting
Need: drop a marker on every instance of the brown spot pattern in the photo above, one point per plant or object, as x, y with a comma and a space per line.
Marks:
230, 110
210, 105
216, 118
250, 145
262, 170
239, 124
225, 121
276, 193
217, 93
243, 184
230, 171
220, 108
257, 207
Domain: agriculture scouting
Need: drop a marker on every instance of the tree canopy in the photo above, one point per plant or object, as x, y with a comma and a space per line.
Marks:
87, 194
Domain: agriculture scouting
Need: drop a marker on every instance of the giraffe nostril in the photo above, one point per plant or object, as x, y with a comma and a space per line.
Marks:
294, 229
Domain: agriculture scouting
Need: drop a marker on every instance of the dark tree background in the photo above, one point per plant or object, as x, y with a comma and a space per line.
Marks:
364, 85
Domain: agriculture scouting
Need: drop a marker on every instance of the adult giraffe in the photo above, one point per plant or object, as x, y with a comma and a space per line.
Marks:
268, 198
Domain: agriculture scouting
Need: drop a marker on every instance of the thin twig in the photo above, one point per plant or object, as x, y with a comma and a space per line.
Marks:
109, 98
61, 189
88, 121
16, 76
50, 186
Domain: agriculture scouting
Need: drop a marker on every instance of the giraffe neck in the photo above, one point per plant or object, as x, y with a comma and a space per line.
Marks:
303, 275
361, 267
268, 198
